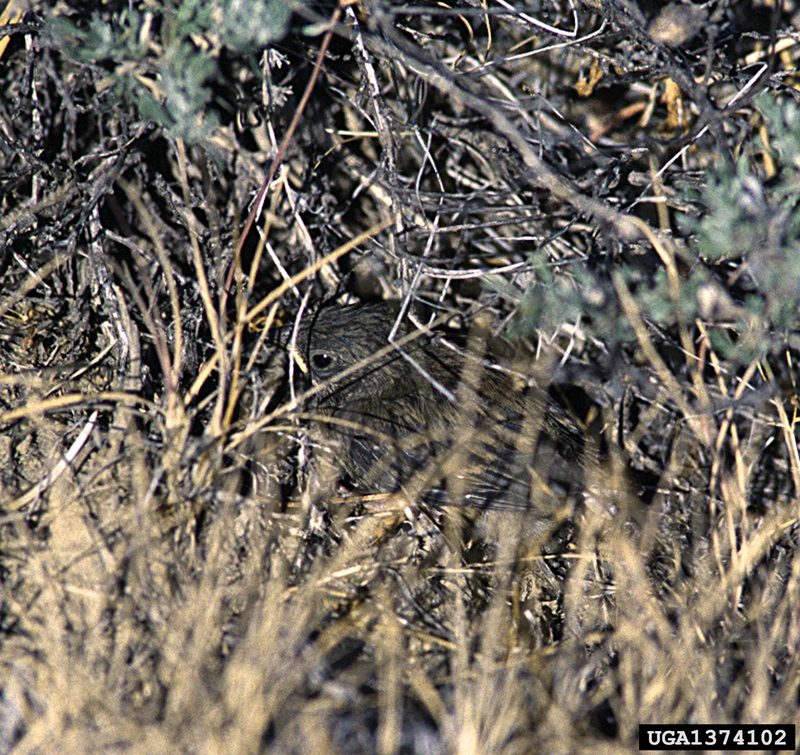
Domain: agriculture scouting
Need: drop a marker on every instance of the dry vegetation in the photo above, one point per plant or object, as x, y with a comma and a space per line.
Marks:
611, 185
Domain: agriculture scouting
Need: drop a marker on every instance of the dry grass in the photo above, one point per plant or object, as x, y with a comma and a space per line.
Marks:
175, 577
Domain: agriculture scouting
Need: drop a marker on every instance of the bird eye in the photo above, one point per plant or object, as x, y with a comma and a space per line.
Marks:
321, 360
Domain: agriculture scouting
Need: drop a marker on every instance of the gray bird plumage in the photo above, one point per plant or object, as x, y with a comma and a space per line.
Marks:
430, 420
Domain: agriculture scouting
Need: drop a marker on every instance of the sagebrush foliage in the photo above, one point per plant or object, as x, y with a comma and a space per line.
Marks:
600, 198
154, 59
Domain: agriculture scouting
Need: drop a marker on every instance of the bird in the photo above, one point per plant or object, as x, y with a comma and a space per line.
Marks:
418, 415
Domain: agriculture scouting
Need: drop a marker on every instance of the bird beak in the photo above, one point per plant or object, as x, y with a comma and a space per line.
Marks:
282, 337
